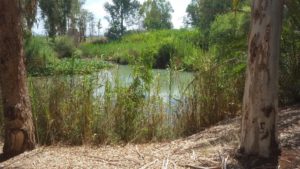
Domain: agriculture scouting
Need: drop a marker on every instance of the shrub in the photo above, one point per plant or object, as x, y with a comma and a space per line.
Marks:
164, 55
64, 46
289, 79
39, 54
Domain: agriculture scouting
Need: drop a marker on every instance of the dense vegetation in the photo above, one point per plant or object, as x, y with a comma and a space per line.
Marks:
58, 57
214, 49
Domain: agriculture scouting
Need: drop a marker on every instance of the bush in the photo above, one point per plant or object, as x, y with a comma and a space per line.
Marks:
39, 54
165, 54
289, 79
159, 45
64, 46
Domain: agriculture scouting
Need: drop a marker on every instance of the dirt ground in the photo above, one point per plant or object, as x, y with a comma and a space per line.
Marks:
212, 148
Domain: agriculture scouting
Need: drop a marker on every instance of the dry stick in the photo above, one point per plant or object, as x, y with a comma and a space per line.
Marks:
224, 165
193, 157
138, 152
198, 167
165, 164
133, 160
103, 160
174, 164
149, 164
208, 160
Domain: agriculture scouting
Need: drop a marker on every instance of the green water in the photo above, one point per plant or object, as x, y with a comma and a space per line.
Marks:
168, 83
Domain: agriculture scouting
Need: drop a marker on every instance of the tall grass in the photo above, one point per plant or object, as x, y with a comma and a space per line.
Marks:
71, 110
214, 94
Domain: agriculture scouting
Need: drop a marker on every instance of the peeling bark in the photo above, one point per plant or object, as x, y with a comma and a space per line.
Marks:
259, 135
18, 125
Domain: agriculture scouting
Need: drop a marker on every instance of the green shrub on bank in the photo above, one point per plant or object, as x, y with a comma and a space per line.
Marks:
71, 67
158, 45
64, 46
45, 57
39, 54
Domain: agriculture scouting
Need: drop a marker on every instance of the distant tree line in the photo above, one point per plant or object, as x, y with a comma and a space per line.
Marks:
62, 17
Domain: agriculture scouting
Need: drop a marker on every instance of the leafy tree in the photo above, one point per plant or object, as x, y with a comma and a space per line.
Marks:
29, 13
58, 13
157, 14
229, 31
91, 23
82, 24
99, 26
120, 12
201, 13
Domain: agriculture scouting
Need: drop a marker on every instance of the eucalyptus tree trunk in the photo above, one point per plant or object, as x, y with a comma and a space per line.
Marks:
259, 135
18, 125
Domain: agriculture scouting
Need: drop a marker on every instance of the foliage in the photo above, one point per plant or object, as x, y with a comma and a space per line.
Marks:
71, 110
201, 13
29, 8
70, 67
120, 11
157, 14
64, 47
39, 54
214, 94
289, 82
155, 45
42, 58
229, 31
83, 24
56, 14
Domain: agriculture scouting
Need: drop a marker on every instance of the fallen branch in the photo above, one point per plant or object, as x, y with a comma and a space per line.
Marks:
149, 164
165, 164
198, 167
138, 152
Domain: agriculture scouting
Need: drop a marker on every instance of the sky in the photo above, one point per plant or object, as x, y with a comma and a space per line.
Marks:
97, 8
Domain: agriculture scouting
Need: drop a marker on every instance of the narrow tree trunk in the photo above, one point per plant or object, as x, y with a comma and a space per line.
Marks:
260, 104
18, 125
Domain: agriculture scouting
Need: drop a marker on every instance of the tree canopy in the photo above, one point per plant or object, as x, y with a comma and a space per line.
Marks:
157, 14
121, 12
57, 14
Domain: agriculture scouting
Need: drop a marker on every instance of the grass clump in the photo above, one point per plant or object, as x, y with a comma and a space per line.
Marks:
214, 94
39, 54
64, 46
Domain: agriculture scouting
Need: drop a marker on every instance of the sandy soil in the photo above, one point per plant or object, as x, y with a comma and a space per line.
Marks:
212, 148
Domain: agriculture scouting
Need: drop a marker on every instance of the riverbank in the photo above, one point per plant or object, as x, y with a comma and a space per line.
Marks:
73, 66
161, 48
205, 149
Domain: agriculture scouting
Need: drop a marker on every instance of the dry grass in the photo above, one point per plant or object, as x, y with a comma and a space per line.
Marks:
212, 147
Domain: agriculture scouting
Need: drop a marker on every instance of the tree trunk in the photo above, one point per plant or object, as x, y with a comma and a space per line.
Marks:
18, 125
259, 135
